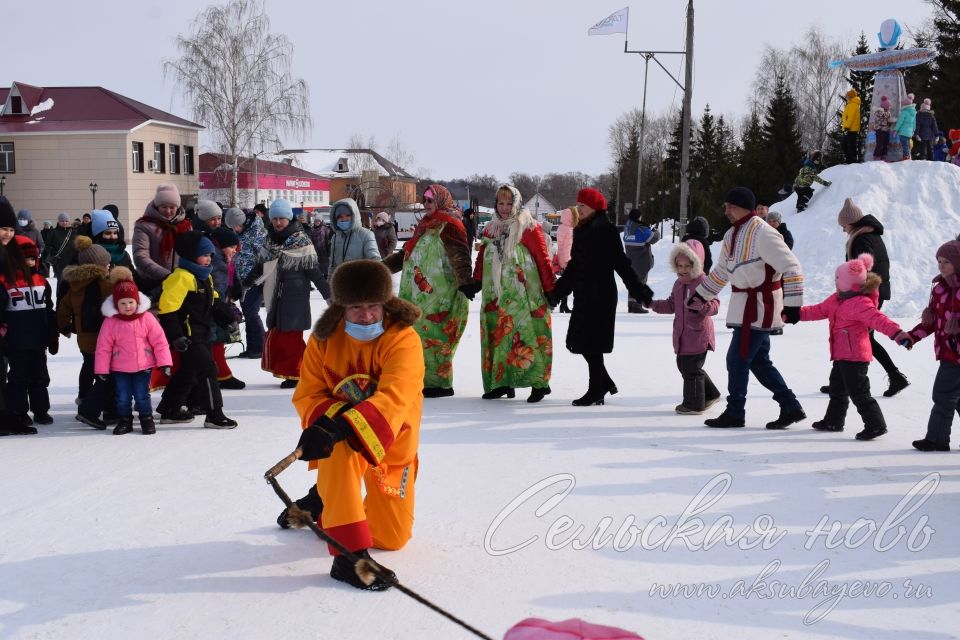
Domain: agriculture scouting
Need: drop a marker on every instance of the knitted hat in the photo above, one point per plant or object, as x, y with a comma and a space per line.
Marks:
123, 285
7, 217
852, 94
28, 247
885, 102
383, 218
234, 217
113, 209
592, 198
361, 282
24, 215
101, 221
634, 214
950, 251
907, 99
261, 208
926, 104
167, 194
281, 208
699, 227
849, 214
852, 275
741, 197
207, 209
225, 237
89, 253
192, 244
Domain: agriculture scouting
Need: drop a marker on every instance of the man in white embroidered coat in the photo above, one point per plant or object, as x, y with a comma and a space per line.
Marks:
753, 260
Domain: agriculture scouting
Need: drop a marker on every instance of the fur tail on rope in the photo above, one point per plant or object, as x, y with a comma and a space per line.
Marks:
367, 570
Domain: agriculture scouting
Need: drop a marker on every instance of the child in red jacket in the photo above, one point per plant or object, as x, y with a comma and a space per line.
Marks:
942, 319
852, 312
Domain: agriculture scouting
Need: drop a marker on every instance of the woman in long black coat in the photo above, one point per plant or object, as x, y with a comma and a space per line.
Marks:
597, 253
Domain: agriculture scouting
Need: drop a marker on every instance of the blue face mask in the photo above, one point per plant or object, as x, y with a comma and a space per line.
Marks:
364, 332
345, 225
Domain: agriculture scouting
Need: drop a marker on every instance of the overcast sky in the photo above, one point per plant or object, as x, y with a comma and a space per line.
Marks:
470, 86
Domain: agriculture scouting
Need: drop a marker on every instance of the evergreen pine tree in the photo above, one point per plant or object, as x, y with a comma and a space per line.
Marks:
754, 169
946, 82
862, 83
703, 155
782, 135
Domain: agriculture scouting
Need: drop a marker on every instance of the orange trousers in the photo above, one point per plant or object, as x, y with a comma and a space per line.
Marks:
384, 518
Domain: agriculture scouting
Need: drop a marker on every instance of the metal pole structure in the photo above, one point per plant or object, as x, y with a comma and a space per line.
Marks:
685, 149
643, 127
616, 214
256, 185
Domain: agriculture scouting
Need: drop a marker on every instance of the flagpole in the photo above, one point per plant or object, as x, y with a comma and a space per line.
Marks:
643, 129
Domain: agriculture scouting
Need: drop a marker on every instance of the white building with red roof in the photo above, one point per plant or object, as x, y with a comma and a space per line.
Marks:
57, 143
261, 180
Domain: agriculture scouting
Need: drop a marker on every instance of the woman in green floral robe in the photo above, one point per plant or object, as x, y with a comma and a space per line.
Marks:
514, 268
436, 278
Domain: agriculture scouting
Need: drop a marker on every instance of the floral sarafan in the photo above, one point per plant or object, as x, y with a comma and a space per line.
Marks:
503, 329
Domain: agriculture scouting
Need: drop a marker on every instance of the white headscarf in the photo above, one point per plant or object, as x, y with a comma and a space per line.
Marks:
505, 233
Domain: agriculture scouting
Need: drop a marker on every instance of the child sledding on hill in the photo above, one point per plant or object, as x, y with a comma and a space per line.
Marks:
809, 173
852, 312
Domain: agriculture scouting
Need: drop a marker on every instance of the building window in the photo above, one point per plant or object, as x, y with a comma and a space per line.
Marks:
16, 104
7, 161
174, 158
158, 159
136, 152
187, 160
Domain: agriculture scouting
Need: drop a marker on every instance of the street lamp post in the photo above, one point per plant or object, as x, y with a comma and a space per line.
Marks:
93, 195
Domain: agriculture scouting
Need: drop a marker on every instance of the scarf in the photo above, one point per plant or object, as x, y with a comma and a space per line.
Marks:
116, 250
169, 229
199, 271
853, 234
290, 250
504, 234
442, 216
130, 318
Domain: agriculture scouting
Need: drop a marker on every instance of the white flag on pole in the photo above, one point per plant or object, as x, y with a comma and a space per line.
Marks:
614, 23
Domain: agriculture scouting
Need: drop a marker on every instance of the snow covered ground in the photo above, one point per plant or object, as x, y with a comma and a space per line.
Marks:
173, 536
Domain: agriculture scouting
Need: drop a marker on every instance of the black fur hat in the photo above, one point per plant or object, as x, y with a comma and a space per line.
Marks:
8, 217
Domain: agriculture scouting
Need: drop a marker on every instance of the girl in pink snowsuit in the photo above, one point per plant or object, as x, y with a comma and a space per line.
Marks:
130, 344
852, 312
693, 333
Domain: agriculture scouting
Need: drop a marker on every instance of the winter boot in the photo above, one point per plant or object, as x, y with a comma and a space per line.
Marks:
289, 384
345, 571
124, 425
96, 423
824, 425
869, 433
825, 389
898, 382
593, 396
930, 445
232, 383
216, 420
499, 392
724, 421
787, 418
564, 308
147, 425
684, 410
42, 418
538, 394
310, 503
437, 392
21, 425
173, 416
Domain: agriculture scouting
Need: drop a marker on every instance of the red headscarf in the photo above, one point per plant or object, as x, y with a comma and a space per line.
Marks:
442, 216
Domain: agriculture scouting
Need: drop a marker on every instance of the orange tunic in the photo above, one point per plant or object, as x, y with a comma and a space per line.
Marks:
377, 388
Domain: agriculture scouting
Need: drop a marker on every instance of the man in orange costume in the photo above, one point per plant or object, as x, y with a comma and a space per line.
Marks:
360, 401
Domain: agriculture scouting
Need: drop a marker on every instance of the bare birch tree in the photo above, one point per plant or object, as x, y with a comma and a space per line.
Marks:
237, 76
814, 85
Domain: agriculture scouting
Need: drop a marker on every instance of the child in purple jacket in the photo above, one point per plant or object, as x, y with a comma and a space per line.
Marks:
853, 313
692, 328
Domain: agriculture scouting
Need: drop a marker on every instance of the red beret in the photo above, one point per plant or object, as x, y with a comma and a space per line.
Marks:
592, 198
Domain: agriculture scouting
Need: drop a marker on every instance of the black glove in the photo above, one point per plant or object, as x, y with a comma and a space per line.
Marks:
181, 344
102, 377
54, 346
470, 289
167, 371
791, 315
552, 298
644, 295
67, 330
317, 440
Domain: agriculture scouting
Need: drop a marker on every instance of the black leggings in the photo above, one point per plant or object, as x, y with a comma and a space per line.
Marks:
599, 378
879, 353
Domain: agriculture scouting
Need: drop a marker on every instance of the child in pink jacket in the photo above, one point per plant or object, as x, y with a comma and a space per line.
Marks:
692, 328
569, 218
852, 312
130, 344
